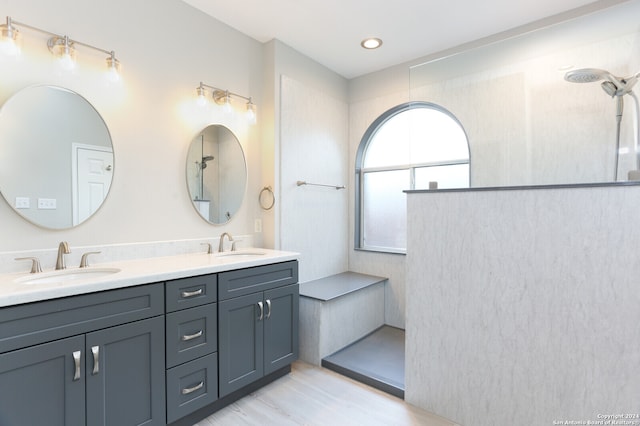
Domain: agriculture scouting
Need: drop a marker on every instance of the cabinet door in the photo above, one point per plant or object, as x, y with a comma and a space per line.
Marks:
41, 385
240, 342
125, 377
280, 327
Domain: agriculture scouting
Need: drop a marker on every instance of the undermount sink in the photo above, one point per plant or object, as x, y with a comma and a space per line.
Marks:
67, 275
240, 254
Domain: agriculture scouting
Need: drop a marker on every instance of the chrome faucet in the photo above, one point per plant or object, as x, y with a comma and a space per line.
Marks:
63, 249
84, 260
221, 245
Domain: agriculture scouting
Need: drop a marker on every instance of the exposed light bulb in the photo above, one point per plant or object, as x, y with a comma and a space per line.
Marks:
223, 98
9, 37
9, 47
66, 62
113, 68
63, 48
202, 96
226, 107
251, 112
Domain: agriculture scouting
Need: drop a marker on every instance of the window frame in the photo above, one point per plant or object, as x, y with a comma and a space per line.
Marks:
360, 170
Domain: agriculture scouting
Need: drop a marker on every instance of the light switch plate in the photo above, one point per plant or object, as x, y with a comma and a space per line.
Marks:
47, 203
22, 203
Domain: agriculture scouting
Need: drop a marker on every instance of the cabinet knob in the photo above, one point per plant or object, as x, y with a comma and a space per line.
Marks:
268, 308
261, 311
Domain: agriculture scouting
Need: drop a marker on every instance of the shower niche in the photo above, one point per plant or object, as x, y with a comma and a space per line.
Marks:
216, 174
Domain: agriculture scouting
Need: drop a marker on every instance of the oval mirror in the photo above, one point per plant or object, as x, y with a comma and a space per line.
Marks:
216, 174
56, 161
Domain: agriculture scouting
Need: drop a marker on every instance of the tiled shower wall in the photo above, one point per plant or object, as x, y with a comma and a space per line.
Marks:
526, 310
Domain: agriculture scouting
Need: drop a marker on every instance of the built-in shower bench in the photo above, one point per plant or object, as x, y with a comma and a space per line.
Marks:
337, 310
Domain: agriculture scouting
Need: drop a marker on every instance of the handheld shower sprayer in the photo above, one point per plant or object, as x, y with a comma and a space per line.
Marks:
615, 87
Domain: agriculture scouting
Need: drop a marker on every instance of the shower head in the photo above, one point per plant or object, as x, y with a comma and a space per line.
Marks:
587, 75
203, 165
614, 86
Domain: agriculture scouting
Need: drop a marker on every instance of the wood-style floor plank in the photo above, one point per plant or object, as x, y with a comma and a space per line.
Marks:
316, 396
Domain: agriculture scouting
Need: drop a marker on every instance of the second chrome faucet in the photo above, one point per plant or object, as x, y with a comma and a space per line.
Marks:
221, 245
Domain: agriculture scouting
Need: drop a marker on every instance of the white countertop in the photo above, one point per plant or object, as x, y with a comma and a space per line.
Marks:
133, 272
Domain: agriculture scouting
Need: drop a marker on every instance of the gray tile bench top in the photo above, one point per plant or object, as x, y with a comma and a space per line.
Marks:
334, 286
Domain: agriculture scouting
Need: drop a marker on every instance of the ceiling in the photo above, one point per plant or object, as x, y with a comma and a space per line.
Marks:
330, 31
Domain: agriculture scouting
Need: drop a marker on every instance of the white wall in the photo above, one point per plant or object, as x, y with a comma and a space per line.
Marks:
308, 142
313, 137
371, 96
166, 48
524, 305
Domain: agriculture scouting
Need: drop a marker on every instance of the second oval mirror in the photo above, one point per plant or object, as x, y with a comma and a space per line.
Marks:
216, 174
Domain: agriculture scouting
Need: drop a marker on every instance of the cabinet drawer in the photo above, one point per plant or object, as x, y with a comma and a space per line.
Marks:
190, 292
259, 278
191, 386
33, 323
191, 333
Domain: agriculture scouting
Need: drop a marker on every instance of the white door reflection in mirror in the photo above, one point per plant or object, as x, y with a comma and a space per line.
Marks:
93, 170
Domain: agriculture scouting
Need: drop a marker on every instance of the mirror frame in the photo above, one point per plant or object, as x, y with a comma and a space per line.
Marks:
245, 173
74, 144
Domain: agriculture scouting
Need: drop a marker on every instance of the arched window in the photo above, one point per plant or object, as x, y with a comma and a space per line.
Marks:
411, 146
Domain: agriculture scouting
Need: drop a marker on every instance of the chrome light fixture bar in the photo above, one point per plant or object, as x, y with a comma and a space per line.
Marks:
59, 45
223, 97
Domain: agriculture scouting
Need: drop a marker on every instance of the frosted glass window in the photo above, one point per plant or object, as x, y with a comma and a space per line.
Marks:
407, 147
449, 176
419, 135
385, 209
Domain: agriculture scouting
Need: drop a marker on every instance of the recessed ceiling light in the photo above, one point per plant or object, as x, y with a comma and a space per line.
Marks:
371, 43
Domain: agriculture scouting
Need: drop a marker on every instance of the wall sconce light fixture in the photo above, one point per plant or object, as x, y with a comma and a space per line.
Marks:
61, 46
223, 98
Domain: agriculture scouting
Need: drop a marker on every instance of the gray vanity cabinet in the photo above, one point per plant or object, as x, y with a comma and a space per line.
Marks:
125, 374
37, 385
281, 328
149, 354
257, 323
95, 359
192, 344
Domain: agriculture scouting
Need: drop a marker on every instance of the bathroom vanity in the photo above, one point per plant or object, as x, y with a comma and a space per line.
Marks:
166, 346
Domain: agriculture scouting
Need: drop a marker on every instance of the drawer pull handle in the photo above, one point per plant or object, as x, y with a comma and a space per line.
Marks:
76, 361
187, 337
187, 391
261, 311
187, 294
268, 308
95, 350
